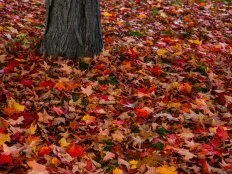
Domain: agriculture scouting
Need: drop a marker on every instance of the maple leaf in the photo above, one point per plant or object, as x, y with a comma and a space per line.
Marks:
9, 111
27, 82
63, 142
89, 119
156, 70
222, 133
88, 90
37, 168
166, 170
123, 162
67, 69
16, 106
117, 171
134, 164
186, 153
206, 167
197, 41
60, 86
76, 151
32, 129
107, 14
13, 150
143, 112
118, 136
174, 105
55, 161
161, 52
5, 159
185, 87
4, 138
46, 84
58, 110
109, 156
11, 66
45, 150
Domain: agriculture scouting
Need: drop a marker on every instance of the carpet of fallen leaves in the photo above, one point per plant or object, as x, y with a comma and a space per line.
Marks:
157, 100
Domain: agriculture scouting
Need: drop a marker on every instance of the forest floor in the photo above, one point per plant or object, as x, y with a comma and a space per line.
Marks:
157, 100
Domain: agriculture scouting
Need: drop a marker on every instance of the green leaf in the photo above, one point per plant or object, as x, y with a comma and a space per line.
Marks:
112, 80
84, 102
135, 130
161, 131
202, 69
135, 34
75, 97
159, 146
155, 11
83, 66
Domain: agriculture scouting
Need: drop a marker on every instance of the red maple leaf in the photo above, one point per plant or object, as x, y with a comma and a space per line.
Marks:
5, 159
89, 165
76, 150
10, 66
27, 82
156, 70
222, 133
46, 83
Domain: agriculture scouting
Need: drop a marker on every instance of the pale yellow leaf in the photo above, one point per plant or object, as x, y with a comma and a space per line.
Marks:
32, 129
63, 142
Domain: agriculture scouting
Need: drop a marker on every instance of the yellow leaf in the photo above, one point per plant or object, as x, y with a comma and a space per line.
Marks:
134, 164
4, 138
13, 104
106, 14
88, 119
117, 171
63, 142
174, 105
161, 52
166, 170
162, 14
32, 129
197, 41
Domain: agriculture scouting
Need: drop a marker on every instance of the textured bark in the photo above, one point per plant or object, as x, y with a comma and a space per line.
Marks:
73, 28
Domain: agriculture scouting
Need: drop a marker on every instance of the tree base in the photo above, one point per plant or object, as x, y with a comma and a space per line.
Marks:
73, 28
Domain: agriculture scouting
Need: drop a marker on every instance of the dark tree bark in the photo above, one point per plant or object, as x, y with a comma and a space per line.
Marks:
73, 28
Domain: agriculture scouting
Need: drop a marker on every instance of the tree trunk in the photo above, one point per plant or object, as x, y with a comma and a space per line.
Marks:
73, 28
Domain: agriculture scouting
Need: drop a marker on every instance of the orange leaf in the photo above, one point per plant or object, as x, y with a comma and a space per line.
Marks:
9, 111
45, 150
127, 65
142, 113
76, 150
185, 87
60, 86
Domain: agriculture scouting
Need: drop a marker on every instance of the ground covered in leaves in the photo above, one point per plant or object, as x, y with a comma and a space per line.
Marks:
157, 100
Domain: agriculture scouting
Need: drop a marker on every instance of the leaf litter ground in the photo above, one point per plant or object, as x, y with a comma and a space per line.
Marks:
157, 100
